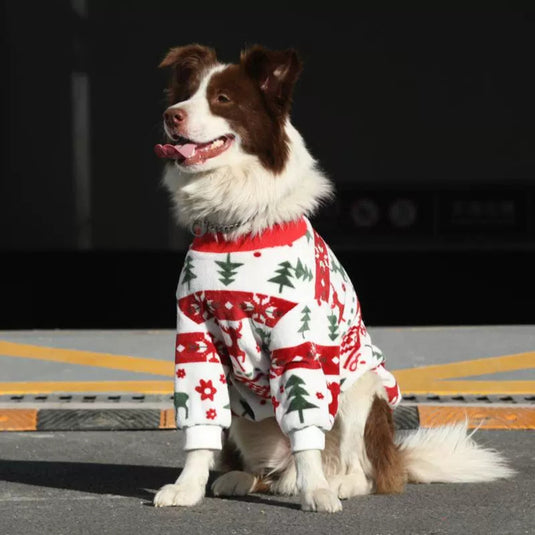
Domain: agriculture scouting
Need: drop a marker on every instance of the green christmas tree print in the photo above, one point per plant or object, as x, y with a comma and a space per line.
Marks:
181, 402
302, 271
297, 392
333, 326
228, 270
187, 272
265, 337
337, 268
309, 236
284, 275
304, 320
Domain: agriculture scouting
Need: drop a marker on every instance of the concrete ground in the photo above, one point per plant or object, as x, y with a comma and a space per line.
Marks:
103, 482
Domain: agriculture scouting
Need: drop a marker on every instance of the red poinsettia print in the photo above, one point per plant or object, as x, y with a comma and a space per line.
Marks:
206, 389
211, 414
181, 373
222, 379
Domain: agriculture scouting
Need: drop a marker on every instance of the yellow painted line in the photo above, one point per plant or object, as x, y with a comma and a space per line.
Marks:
49, 387
467, 368
481, 417
88, 358
469, 388
433, 379
18, 419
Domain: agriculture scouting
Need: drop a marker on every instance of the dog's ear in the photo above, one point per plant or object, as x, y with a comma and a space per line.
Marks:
187, 63
275, 72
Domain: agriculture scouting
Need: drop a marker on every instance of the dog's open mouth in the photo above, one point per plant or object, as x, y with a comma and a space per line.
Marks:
188, 152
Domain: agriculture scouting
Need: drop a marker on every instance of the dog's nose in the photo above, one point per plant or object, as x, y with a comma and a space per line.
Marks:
174, 117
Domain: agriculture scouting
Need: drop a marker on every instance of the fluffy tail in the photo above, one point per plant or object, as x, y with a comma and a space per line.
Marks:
449, 455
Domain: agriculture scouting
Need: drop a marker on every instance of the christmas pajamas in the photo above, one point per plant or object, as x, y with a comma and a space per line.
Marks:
268, 326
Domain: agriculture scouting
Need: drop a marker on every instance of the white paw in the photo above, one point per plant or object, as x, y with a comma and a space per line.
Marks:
349, 485
235, 483
183, 494
321, 500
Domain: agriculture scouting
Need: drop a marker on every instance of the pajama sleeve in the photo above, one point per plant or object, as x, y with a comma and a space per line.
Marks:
304, 379
201, 393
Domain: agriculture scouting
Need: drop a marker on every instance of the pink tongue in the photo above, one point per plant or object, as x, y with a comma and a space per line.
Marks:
175, 151
187, 150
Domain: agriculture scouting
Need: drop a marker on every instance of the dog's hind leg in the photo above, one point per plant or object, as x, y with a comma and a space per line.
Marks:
190, 487
351, 474
238, 483
259, 445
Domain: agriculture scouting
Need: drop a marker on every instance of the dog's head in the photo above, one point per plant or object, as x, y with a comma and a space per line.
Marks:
222, 114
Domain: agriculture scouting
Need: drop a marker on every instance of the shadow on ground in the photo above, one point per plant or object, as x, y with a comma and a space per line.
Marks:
134, 481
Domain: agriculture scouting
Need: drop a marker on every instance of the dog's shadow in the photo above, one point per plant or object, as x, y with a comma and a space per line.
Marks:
136, 481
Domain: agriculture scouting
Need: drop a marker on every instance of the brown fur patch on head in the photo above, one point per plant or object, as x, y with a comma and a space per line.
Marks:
255, 97
275, 71
187, 63
384, 456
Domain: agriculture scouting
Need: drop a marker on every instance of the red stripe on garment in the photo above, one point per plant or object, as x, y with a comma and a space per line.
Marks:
283, 234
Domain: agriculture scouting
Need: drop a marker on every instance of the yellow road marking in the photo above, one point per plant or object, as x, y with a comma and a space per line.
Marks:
432, 379
482, 417
88, 358
419, 381
49, 387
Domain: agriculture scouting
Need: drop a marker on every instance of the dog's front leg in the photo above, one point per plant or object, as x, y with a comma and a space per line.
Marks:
312, 484
190, 487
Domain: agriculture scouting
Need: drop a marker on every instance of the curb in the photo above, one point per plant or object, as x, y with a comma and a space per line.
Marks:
126, 417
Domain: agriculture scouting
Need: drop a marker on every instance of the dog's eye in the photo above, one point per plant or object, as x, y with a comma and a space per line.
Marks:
222, 98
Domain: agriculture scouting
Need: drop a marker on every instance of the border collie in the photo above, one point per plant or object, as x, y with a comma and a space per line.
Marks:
271, 350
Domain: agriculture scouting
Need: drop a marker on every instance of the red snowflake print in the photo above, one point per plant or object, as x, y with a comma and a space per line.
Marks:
274, 402
206, 389
181, 373
211, 414
319, 395
223, 379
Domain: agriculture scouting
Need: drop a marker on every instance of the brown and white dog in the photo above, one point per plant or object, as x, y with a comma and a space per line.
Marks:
239, 166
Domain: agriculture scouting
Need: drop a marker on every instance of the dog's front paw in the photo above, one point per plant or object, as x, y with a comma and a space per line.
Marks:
235, 483
320, 500
179, 494
348, 485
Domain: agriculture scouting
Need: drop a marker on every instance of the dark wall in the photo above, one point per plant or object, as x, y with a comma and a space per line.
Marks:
433, 107
36, 204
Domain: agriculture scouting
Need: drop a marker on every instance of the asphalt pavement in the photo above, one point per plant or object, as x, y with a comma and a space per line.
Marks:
95, 482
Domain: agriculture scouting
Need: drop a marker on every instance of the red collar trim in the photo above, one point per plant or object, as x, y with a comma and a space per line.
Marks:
277, 235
